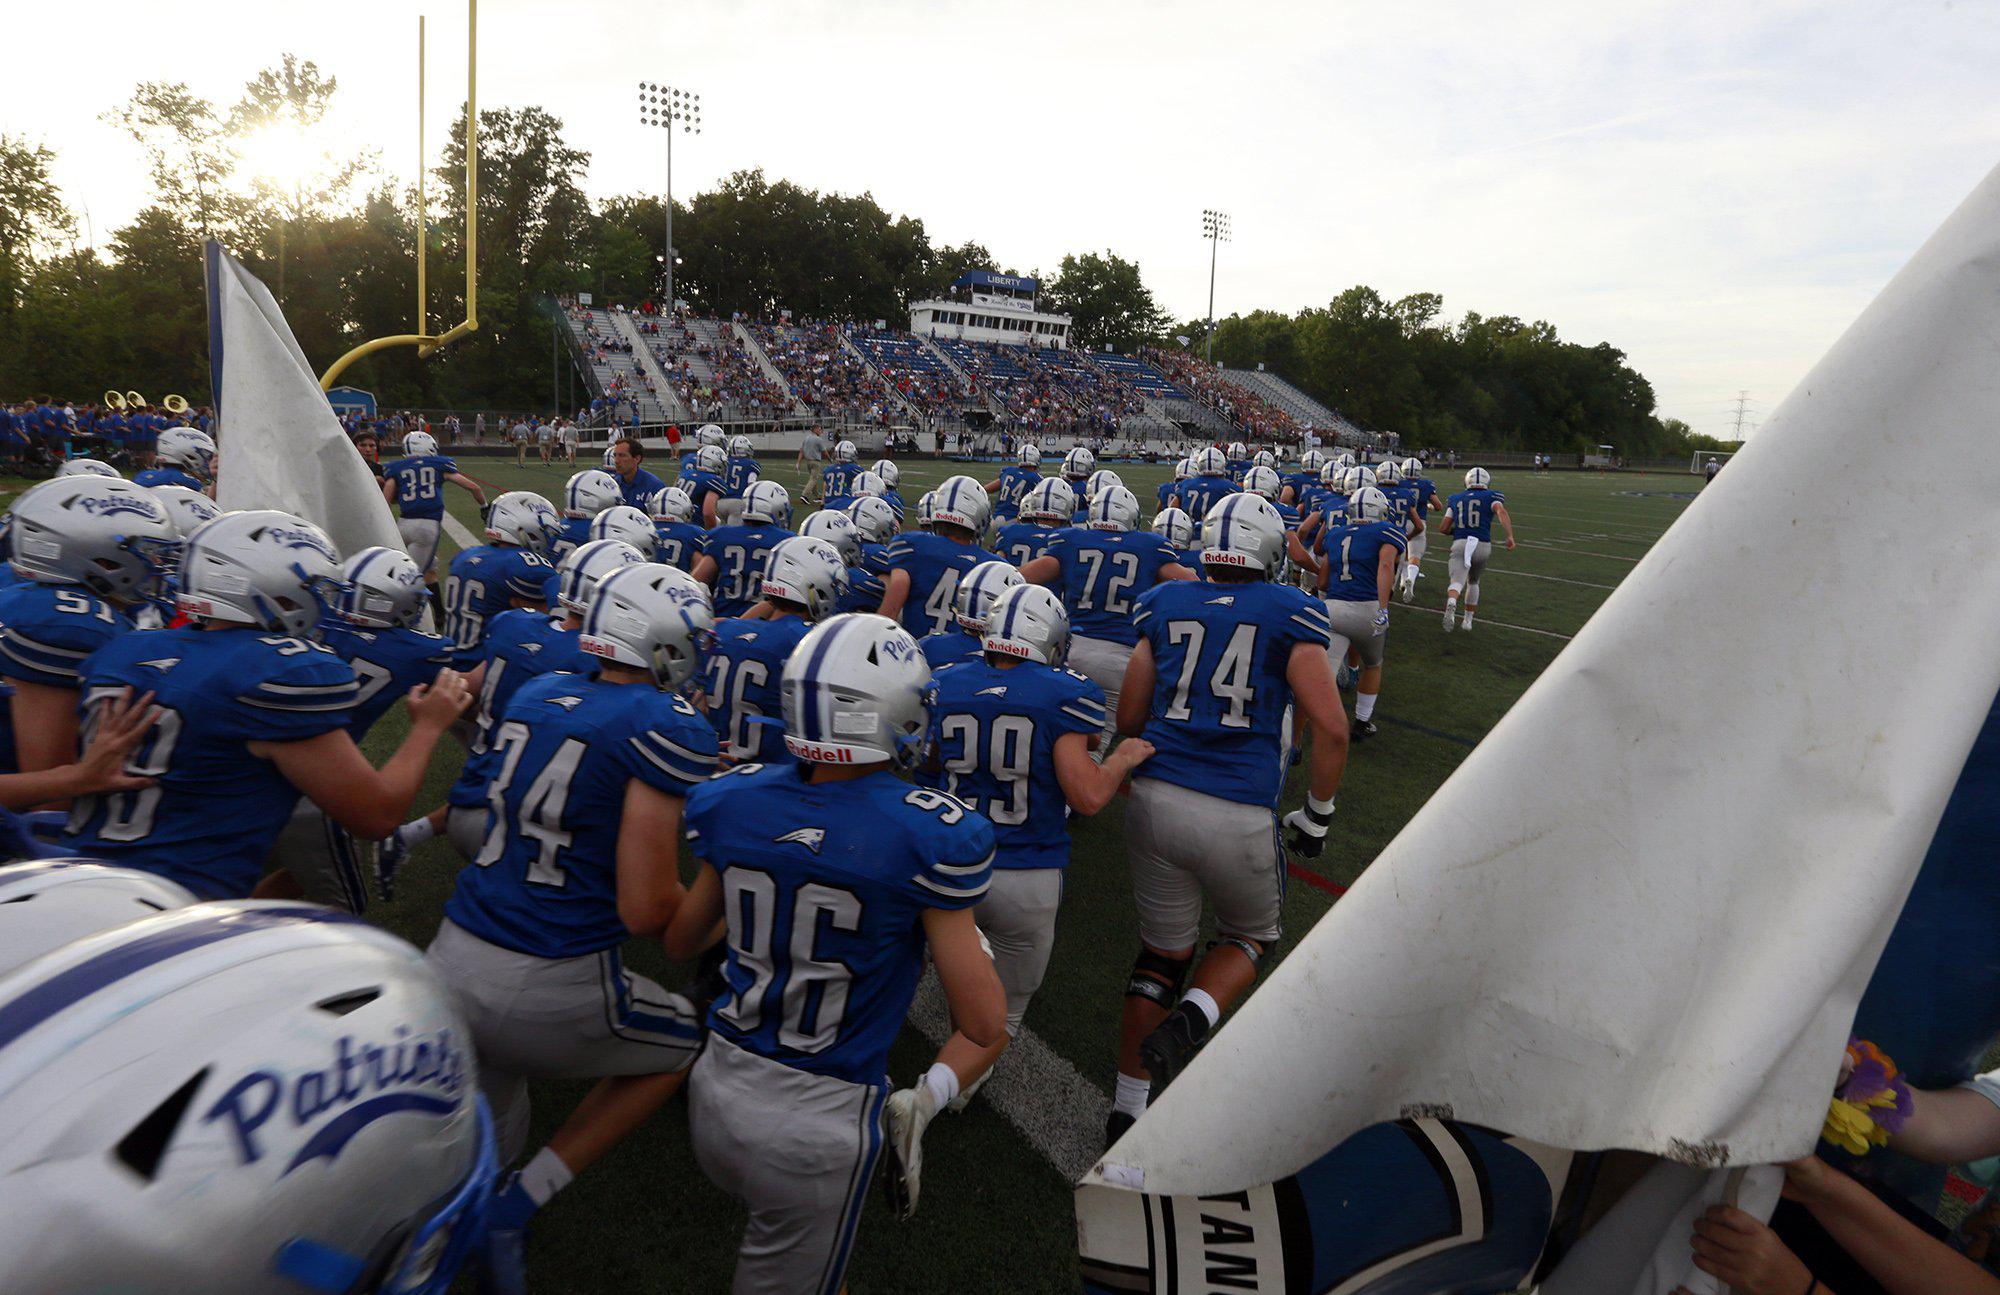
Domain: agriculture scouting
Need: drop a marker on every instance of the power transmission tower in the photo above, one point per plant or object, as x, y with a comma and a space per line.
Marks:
1742, 402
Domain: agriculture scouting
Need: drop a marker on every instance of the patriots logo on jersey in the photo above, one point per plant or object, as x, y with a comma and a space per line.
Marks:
999, 691
160, 663
1227, 600
567, 703
531, 647
751, 637
810, 837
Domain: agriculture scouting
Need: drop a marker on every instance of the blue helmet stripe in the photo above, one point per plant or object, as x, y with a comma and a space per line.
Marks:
809, 685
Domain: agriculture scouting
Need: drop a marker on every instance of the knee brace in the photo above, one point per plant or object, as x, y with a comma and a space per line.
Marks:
1250, 948
1157, 977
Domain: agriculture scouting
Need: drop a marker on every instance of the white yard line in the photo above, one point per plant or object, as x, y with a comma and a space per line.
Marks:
1481, 620
1526, 575
459, 535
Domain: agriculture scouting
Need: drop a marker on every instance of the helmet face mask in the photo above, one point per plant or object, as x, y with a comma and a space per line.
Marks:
263, 568
187, 449
1029, 623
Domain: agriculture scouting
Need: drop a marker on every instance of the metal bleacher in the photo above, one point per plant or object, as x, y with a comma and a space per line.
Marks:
1287, 397
611, 366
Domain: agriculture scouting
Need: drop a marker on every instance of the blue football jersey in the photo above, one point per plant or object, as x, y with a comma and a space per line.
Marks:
862, 591
994, 730
214, 809
520, 646
166, 477
1237, 467
740, 554
1302, 484
825, 887
679, 543
936, 564
48, 631
1472, 513
387, 664
837, 477
1199, 494
736, 478
1015, 483
949, 647
545, 883
1221, 652
700, 486
481, 583
1353, 551
1332, 514
741, 680
1023, 542
1402, 500
420, 483
1424, 489
1103, 574
574, 534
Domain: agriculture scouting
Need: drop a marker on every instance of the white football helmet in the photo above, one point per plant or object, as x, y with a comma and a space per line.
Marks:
1368, 504
1176, 528
1238, 450
835, 528
1208, 462
187, 508
255, 1097
1183, 469
380, 587
1243, 533
742, 447
875, 519
626, 523
710, 434
85, 468
191, 451
1262, 481
590, 492
1332, 473
962, 502
1478, 479
854, 693
1345, 458
1100, 481
1413, 468
892, 476
867, 483
926, 509
1357, 479
104, 533
1078, 464
419, 444
979, 588
46, 903
1388, 472
653, 617
1264, 459
584, 567
1029, 456
610, 455
1050, 501
767, 503
806, 571
712, 459
1117, 509
1029, 622
672, 504
262, 567
1311, 462
845, 452
523, 518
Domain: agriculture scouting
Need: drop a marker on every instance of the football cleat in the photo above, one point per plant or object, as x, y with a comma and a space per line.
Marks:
1450, 617
1167, 1050
910, 1112
1360, 730
958, 1104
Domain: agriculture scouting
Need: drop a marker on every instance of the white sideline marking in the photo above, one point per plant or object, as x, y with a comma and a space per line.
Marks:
1526, 575
459, 535
1479, 618
1034, 1088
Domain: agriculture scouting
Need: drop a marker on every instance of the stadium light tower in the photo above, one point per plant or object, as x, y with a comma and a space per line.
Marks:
667, 107
1214, 228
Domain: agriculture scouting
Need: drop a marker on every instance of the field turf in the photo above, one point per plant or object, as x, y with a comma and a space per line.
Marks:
995, 1213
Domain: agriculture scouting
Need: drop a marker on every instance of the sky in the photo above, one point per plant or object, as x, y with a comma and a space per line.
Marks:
1716, 189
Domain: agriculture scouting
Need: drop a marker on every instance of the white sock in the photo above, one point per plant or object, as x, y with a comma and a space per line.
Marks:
416, 831
1364, 704
942, 1081
1451, 602
1468, 616
1204, 1003
1132, 1094
544, 1176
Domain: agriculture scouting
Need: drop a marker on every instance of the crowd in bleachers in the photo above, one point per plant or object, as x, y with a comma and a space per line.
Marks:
736, 385
826, 377
1259, 419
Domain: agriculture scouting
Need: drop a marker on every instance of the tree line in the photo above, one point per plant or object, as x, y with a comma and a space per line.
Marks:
339, 244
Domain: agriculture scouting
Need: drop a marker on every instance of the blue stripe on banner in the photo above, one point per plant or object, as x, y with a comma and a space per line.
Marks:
809, 683
211, 275
68, 988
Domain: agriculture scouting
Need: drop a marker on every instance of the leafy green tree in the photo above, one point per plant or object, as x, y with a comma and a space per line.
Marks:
1106, 301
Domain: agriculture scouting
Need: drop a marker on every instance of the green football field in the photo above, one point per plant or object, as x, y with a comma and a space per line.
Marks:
996, 1210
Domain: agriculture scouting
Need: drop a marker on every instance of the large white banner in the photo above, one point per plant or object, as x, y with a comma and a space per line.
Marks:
280, 445
1641, 913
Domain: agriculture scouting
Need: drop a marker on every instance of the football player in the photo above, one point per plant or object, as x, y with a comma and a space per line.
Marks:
1208, 484
506, 571
830, 882
1219, 664
1103, 571
704, 482
1170, 488
1468, 519
185, 458
87, 550
875, 526
1010, 734
628, 525
737, 476
1043, 512
861, 485
415, 485
710, 434
961, 642
373, 627
1181, 535
892, 478
1424, 498
1015, 481
585, 495
733, 557
924, 568
836, 475
1239, 460
1357, 568
249, 716
581, 854
677, 539
1100, 481
801, 583
1302, 483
